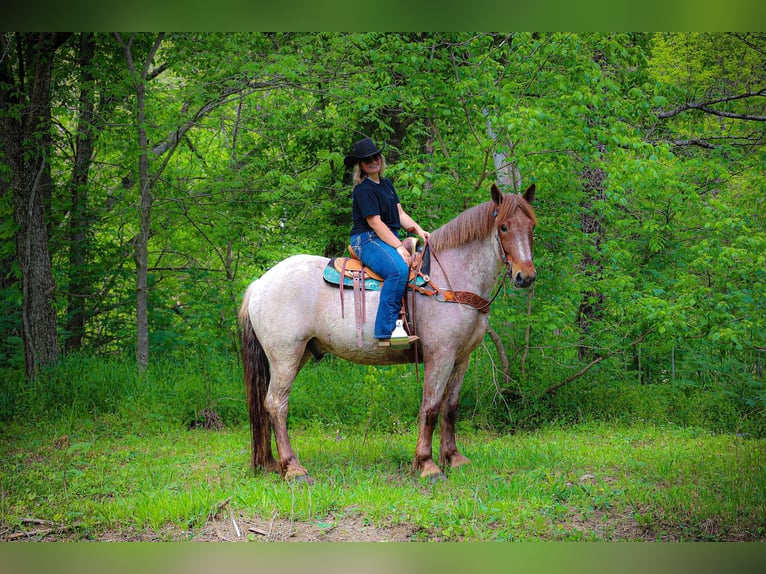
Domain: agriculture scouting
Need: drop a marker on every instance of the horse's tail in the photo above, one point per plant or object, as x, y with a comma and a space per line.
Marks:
256, 368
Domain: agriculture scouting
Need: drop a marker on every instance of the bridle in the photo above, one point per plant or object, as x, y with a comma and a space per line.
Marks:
503, 252
466, 298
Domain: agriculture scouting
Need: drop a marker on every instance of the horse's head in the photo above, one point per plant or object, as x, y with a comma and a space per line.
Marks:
515, 224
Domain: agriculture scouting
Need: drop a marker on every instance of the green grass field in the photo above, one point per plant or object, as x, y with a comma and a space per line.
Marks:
108, 480
94, 450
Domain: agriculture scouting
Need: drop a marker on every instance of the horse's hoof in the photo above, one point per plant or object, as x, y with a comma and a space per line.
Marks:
433, 473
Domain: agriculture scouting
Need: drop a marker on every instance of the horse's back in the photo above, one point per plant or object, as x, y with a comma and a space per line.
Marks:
296, 269
290, 287
291, 304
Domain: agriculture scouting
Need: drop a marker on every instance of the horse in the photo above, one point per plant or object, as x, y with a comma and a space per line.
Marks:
290, 314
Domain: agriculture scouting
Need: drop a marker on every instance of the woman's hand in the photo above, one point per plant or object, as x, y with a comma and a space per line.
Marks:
420, 232
402, 251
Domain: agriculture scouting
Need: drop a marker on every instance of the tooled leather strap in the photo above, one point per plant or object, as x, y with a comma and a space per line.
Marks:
449, 295
359, 306
360, 311
467, 298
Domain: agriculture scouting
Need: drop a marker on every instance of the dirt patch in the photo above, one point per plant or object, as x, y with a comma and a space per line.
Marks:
229, 529
603, 525
234, 526
345, 529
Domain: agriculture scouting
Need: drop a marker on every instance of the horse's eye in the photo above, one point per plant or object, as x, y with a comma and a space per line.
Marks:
504, 228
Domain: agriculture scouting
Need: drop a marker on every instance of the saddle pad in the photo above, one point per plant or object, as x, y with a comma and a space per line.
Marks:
331, 275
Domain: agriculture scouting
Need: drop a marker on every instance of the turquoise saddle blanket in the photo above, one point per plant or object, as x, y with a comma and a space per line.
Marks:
332, 276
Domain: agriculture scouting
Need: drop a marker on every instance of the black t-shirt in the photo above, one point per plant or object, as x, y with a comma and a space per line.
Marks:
370, 198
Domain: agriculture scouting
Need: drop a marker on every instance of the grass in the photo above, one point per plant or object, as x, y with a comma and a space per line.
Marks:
105, 479
179, 390
93, 450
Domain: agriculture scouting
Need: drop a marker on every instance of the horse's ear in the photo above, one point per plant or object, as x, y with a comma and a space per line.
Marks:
529, 195
497, 195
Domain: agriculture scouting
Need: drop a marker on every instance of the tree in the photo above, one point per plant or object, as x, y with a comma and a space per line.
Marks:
84, 143
715, 88
25, 124
172, 126
141, 254
710, 106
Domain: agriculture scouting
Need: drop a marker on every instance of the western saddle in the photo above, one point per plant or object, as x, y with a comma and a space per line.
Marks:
349, 272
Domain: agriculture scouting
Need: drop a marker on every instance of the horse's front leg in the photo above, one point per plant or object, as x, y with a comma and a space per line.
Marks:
277, 400
435, 379
448, 452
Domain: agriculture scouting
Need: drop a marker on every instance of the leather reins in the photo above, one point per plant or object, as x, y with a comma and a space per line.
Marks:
465, 298
450, 295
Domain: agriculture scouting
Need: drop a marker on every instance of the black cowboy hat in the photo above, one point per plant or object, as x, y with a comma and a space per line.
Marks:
362, 149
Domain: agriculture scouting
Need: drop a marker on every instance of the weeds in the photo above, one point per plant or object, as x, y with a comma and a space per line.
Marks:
95, 450
337, 394
589, 482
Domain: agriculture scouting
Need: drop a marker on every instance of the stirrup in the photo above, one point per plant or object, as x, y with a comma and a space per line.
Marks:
400, 344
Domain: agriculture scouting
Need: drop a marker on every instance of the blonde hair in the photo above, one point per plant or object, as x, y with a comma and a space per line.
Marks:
359, 175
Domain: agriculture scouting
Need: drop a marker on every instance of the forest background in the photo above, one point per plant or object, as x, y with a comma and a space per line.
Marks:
146, 179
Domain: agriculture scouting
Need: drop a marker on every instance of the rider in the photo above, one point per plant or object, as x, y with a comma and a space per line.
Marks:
377, 218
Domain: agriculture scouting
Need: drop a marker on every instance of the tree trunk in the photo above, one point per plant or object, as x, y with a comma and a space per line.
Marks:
592, 301
141, 250
142, 241
593, 177
507, 173
78, 189
25, 124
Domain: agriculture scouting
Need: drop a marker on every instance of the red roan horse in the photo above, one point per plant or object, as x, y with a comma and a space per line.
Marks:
290, 314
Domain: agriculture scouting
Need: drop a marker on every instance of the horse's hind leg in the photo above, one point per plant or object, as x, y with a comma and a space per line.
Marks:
283, 374
448, 452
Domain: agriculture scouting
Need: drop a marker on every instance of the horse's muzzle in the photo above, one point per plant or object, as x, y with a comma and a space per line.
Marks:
524, 280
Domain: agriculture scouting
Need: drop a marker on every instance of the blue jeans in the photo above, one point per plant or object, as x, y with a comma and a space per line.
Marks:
386, 262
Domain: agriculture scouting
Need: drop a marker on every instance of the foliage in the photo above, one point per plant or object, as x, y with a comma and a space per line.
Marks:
645, 149
338, 396
168, 392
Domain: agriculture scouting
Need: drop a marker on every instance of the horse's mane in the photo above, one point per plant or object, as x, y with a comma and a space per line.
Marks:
477, 223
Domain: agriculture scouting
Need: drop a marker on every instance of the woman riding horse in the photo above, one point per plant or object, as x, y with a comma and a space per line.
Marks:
290, 314
377, 218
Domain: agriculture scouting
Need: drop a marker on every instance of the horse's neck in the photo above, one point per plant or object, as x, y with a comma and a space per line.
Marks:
471, 267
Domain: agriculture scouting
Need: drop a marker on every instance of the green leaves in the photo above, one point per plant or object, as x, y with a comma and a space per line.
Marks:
650, 216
